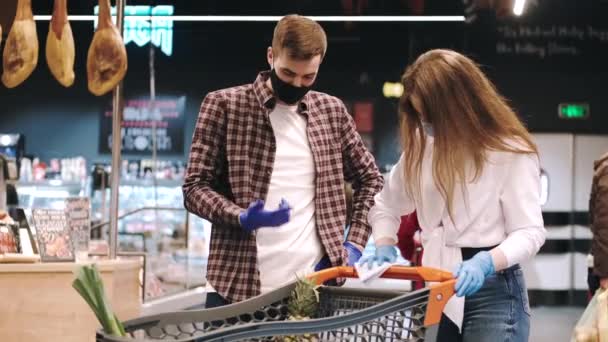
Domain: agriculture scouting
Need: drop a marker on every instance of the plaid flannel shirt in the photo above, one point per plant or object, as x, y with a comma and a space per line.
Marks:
231, 161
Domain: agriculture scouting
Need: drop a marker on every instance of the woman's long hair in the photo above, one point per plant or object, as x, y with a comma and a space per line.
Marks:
468, 116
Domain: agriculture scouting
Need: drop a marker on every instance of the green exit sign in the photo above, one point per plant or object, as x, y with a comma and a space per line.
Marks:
573, 110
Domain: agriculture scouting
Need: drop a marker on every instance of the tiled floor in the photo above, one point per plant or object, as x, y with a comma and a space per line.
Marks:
553, 324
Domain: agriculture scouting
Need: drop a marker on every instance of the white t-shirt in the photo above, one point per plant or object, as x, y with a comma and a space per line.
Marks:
293, 248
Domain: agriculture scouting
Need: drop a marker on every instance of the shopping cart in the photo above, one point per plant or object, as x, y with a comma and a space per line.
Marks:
344, 314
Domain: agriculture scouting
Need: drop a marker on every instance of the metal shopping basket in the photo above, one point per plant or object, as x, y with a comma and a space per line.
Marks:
345, 314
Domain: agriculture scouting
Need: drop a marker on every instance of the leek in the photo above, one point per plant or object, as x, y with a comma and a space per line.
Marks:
89, 285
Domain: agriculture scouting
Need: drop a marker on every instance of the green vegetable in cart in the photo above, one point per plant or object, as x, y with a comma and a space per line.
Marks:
89, 285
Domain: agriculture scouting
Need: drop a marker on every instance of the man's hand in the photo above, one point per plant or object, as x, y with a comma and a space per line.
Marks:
255, 216
353, 252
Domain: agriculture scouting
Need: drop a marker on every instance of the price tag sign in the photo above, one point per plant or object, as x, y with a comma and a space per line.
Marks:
53, 234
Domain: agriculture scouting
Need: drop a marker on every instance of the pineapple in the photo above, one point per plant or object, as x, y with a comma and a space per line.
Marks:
303, 304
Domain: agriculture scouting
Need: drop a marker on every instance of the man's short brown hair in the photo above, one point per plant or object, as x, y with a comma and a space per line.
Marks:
300, 37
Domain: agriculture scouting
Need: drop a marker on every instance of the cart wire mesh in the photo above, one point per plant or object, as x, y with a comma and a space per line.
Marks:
344, 314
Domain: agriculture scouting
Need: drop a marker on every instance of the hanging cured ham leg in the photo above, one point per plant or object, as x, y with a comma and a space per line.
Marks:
60, 49
107, 58
21, 51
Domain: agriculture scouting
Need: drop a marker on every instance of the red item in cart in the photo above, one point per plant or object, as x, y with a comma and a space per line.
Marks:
407, 243
410, 247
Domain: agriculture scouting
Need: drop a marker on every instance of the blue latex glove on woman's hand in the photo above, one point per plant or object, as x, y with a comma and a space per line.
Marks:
383, 254
255, 216
472, 273
353, 253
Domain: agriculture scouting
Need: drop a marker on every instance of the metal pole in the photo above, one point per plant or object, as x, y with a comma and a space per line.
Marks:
154, 130
187, 233
2, 185
104, 199
116, 143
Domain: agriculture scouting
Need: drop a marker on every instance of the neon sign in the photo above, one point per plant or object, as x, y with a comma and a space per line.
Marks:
145, 24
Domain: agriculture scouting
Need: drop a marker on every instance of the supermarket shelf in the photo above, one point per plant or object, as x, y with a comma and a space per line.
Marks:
170, 183
50, 183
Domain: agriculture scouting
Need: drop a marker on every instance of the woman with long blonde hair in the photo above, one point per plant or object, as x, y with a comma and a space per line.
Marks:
471, 171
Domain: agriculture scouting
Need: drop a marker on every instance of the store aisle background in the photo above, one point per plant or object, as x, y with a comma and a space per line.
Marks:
553, 324
62, 122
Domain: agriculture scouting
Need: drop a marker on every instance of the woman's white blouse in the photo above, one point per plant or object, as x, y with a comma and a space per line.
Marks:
500, 208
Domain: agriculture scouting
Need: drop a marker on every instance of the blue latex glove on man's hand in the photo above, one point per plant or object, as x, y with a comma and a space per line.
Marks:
354, 254
472, 273
383, 254
255, 216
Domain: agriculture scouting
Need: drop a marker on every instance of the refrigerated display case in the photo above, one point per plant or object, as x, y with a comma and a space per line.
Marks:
152, 220
49, 194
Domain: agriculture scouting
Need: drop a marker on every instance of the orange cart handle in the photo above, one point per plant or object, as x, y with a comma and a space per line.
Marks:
439, 293
394, 272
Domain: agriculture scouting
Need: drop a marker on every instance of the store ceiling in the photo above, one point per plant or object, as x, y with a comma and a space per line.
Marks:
586, 10
266, 7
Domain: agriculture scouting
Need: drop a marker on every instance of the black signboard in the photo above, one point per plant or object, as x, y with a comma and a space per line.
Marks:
565, 45
78, 211
138, 122
548, 36
54, 235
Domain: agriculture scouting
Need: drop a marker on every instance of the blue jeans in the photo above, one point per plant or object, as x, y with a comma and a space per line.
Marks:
215, 300
499, 311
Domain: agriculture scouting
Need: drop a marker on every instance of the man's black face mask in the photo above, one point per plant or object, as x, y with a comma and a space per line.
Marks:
286, 92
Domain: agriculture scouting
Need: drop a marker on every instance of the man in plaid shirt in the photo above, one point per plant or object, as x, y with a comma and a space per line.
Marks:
267, 167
